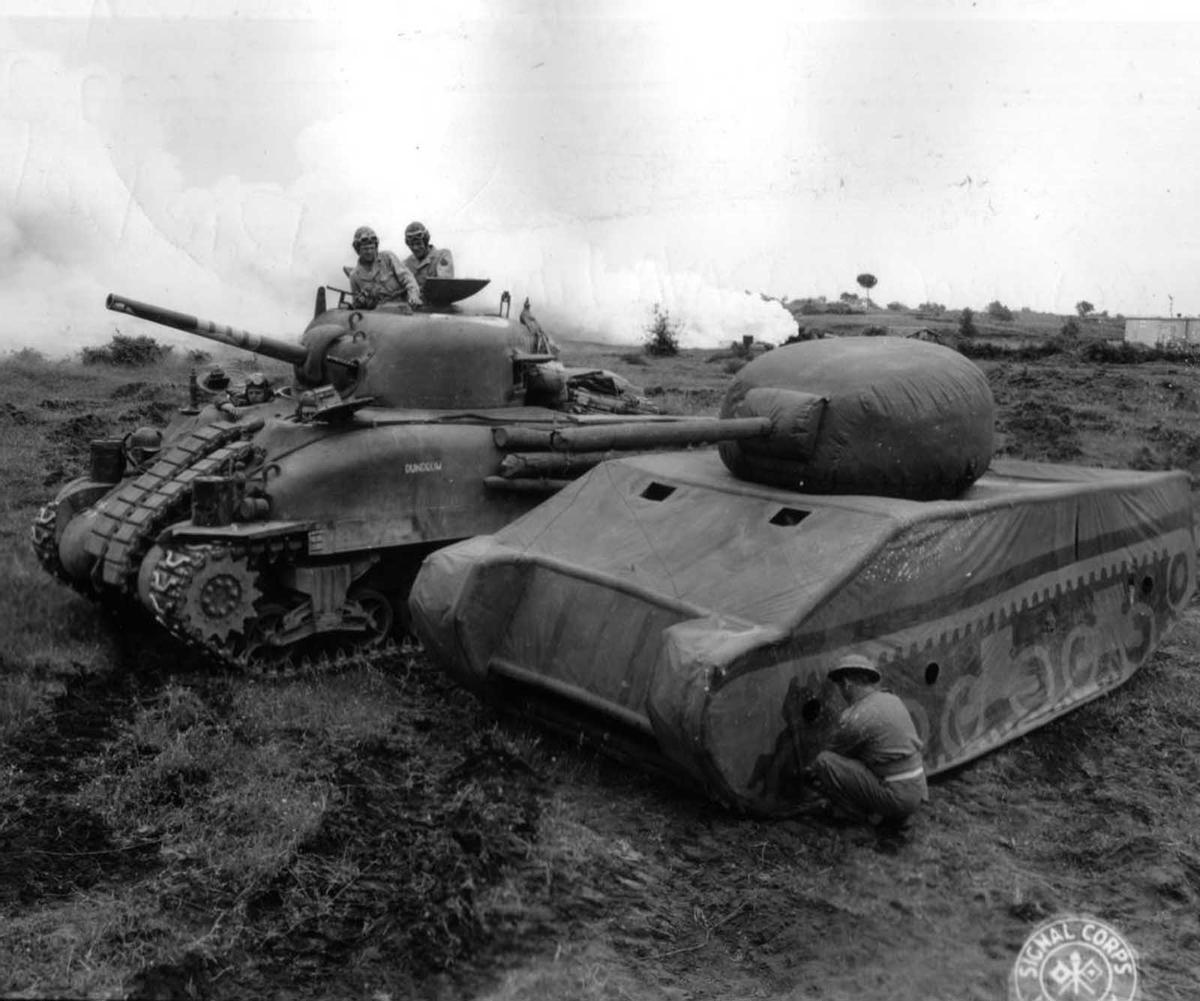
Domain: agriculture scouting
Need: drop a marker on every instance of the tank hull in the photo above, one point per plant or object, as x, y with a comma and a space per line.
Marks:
694, 628
325, 510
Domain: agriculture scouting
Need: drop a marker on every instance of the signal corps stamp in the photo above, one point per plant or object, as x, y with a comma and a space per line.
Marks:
1075, 959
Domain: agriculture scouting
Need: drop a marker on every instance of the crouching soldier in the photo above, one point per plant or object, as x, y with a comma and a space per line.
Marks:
871, 769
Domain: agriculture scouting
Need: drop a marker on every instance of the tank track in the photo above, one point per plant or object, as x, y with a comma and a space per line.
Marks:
43, 533
174, 577
130, 517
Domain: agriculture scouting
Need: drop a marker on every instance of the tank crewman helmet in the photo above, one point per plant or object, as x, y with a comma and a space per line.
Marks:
415, 232
364, 234
258, 388
855, 664
143, 443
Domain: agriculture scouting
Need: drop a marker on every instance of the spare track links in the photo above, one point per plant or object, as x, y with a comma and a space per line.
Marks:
129, 518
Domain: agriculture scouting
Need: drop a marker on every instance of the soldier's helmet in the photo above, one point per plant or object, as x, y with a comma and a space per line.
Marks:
143, 444
856, 664
364, 234
258, 388
415, 232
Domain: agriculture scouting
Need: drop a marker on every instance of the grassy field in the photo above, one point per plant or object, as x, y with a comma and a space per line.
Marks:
171, 831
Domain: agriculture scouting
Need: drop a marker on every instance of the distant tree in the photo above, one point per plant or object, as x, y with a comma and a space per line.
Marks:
662, 333
896, 307
868, 282
1083, 307
933, 308
966, 323
849, 297
998, 311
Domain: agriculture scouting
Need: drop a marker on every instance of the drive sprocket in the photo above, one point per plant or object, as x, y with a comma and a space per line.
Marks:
218, 597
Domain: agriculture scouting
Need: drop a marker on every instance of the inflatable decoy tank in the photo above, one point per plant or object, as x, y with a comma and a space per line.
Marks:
682, 608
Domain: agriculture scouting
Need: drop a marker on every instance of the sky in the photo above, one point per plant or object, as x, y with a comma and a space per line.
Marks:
598, 157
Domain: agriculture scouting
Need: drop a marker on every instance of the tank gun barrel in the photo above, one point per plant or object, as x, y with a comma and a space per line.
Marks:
698, 431
269, 346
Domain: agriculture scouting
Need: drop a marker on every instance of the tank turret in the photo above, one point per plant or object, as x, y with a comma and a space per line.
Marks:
434, 360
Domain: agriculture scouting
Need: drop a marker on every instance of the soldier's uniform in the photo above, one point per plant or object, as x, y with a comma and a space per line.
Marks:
433, 263
386, 279
438, 263
871, 766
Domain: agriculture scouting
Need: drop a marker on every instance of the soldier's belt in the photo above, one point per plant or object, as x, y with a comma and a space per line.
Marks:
912, 773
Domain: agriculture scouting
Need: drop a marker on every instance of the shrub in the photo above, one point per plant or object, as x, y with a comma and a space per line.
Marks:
1070, 329
874, 331
998, 311
1018, 352
127, 352
896, 307
27, 356
662, 334
1123, 353
804, 334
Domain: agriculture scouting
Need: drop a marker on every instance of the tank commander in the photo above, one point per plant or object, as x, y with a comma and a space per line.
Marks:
870, 769
425, 260
379, 277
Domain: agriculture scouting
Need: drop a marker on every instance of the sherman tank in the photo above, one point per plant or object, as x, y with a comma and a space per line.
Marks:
682, 608
272, 530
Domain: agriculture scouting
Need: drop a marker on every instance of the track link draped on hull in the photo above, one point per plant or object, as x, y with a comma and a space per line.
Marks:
128, 520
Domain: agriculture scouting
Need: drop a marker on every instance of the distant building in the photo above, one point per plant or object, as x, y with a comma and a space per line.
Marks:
1155, 331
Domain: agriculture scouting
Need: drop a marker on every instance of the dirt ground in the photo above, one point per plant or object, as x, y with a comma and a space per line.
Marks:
166, 832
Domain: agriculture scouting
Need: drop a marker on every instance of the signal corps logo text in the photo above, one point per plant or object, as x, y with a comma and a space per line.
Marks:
1075, 957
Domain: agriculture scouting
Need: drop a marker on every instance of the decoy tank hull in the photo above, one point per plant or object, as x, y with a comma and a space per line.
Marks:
686, 617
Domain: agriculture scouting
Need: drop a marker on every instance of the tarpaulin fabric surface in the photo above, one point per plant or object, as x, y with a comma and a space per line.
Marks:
660, 594
901, 418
